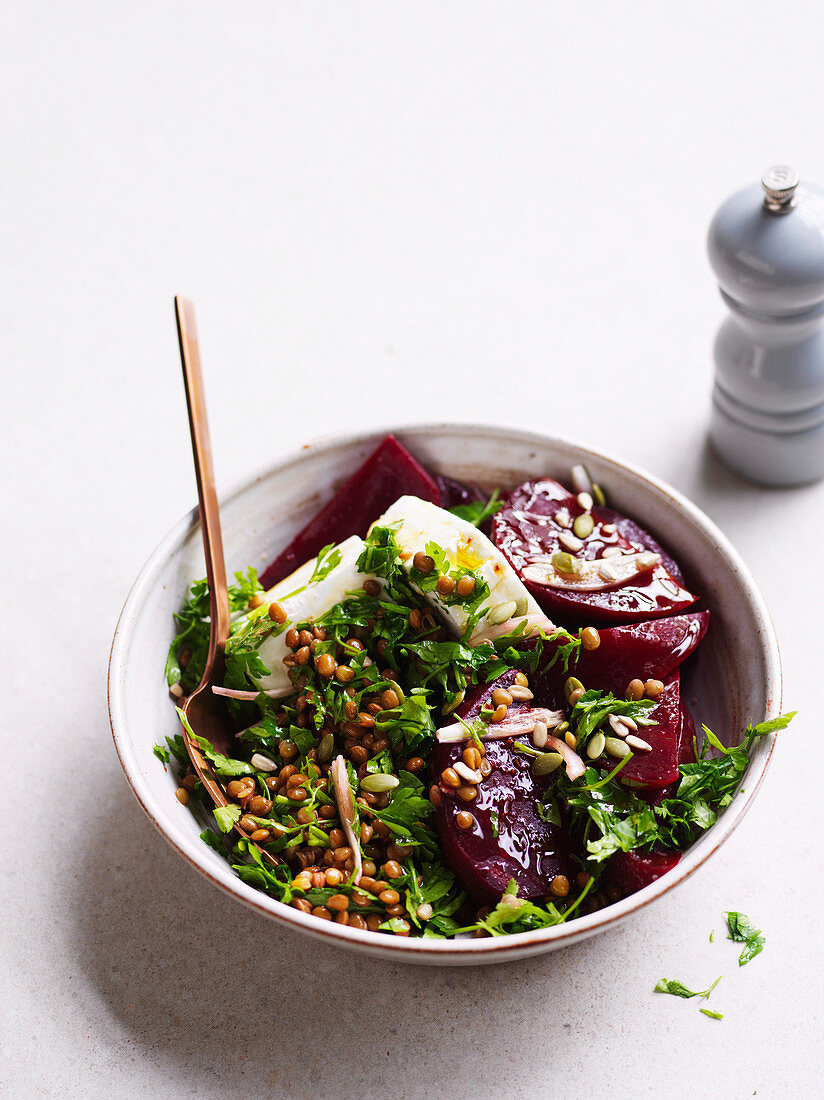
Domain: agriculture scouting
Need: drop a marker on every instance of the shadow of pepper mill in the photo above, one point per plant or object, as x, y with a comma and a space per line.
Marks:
766, 247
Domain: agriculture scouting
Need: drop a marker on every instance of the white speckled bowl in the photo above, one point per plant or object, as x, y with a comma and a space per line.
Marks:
737, 677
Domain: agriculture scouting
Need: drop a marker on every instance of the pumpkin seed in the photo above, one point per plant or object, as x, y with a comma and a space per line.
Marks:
521, 607
326, 748
583, 525
571, 685
596, 746
379, 783
598, 493
565, 563
547, 763
501, 612
616, 748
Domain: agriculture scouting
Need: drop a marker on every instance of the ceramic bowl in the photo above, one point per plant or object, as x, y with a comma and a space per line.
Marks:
736, 678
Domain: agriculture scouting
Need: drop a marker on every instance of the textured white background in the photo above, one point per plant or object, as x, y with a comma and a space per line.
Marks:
383, 211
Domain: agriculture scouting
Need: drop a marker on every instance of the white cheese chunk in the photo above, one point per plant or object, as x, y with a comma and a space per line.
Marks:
466, 548
301, 599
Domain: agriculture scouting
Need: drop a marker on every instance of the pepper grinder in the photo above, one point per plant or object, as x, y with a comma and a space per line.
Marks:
766, 247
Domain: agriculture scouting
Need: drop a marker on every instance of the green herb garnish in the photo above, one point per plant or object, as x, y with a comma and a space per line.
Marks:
742, 930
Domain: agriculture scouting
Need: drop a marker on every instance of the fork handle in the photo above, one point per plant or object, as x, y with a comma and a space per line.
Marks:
206, 492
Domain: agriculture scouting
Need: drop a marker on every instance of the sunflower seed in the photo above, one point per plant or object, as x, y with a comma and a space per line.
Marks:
467, 773
608, 528
606, 572
613, 552
264, 764
618, 726
639, 744
585, 501
562, 518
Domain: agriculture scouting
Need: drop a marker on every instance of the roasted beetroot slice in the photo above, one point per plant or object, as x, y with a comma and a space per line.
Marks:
389, 472
527, 530
644, 651
527, 848
659, 767
632, 871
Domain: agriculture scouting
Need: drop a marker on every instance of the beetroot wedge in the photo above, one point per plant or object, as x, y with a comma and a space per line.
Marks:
643, 651
389, 472
659, 767
622, 574
508, 838
631, 871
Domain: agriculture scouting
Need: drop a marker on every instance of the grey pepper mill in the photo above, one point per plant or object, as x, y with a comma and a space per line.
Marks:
766, 247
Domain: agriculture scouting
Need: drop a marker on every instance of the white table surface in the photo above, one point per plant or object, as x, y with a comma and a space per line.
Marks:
383, 212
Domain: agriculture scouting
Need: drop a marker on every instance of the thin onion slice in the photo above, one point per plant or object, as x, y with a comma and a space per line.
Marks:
514, 725
346, 811
575, 766
250, 696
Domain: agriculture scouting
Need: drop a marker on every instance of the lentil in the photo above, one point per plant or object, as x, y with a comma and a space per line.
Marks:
445, 586
339, 902
635, 689
465, 585
590, 638
467, 794
559, 887
392, 869
326, 665
464, 820
322, 912
182, 795
653, 689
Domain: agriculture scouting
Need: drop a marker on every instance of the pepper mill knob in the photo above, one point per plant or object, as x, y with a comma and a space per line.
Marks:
766, 247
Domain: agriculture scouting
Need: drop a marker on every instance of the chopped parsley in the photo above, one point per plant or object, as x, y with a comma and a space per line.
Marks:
742, 930
477, 512
678, 989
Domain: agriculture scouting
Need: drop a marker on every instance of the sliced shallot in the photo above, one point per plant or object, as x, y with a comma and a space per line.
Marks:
574, 764
346, 811
250, 696
514, 725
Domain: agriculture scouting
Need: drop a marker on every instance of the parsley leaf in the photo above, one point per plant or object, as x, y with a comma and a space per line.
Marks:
678, 989
226, 816
161, 753
477, 512
742, 930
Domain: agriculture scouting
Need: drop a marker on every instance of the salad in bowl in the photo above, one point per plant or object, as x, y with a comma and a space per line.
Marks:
459, 712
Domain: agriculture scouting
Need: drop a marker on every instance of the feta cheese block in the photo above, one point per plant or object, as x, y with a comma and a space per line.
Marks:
467, 550
302, 598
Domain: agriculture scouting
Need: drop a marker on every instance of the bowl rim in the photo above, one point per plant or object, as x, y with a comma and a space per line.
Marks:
402, 949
